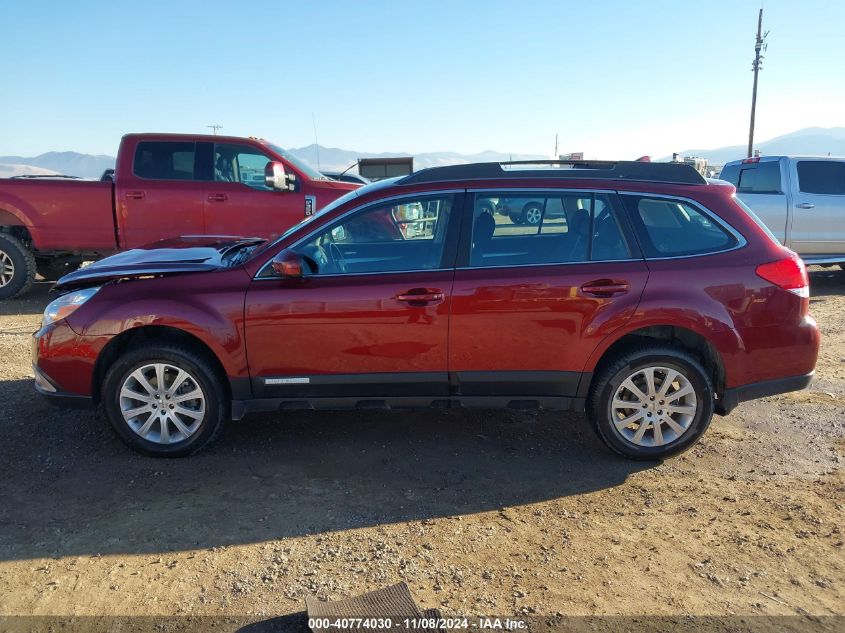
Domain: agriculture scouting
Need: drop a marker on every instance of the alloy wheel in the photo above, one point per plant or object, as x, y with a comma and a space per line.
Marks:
533, 215
7, 269
653, 406
162, 403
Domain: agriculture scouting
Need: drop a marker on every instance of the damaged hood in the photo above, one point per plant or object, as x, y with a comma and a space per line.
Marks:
190, 254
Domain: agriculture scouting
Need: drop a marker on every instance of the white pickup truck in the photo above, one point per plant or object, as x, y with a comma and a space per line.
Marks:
800, 199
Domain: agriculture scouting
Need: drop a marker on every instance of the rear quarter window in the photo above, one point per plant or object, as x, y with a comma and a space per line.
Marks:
674, 228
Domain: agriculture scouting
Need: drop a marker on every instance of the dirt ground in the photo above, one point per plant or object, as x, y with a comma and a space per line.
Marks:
500, 513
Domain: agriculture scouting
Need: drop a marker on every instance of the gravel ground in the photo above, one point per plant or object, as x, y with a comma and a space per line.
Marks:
479, 512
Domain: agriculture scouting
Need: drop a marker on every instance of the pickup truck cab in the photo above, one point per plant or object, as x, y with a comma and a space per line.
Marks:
800, 199
163, 186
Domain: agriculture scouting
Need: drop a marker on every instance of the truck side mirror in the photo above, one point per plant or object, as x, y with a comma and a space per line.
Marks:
276, 178
288, 264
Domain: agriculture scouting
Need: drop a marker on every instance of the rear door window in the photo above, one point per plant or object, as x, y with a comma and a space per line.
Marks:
761, 177
165, 160
512, 229
674, 228
821, 177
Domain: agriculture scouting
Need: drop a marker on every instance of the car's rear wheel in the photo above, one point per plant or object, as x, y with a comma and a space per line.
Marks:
17, 267
164, 401
651, 402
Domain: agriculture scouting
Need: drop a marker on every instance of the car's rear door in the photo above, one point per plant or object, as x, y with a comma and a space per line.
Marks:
818, 214
531, 302
371, 320
162, 195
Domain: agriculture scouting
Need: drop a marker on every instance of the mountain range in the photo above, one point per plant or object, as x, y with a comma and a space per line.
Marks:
808, 141
811, 141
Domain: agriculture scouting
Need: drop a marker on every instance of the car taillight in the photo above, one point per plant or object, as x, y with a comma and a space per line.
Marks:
789, 274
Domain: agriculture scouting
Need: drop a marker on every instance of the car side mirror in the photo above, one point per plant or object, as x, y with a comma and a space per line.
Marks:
289, 265
275, 177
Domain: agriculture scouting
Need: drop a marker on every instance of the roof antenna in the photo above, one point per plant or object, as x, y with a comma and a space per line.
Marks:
316, 143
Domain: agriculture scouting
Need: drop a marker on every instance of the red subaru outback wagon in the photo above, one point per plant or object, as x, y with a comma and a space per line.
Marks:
643, 295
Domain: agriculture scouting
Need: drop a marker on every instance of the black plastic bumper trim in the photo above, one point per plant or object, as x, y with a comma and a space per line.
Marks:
732, 397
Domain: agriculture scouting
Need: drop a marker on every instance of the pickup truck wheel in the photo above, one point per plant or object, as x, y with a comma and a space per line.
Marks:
651, 403
164, 401
17, 267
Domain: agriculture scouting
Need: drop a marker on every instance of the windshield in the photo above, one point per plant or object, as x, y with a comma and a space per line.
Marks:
301, 165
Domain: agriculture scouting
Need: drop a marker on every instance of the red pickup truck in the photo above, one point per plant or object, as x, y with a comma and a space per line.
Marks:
163, 186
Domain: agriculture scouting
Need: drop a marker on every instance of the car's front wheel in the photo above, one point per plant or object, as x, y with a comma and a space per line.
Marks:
164, 401
651, 402
532, 213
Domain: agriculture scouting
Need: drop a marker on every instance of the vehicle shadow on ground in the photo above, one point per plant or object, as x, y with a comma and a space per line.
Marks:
826, 282
32, 302
70, 488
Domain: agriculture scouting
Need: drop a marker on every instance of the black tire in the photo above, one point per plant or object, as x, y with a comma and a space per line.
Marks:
614, 373
22, 263
205, 376
532, 219
51, 270
487, 206
516, 217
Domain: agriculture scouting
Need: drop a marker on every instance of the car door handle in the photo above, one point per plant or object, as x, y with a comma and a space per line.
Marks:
217, 197
418, 297
604, 288
135, 195
804, 205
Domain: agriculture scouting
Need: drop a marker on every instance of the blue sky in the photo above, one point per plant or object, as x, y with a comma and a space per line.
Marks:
613, 78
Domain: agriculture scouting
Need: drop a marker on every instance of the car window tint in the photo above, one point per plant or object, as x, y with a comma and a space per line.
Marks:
763, 177
240, 163
822, 177
536, 228
401, 235
165, 160
672, 228
730, 173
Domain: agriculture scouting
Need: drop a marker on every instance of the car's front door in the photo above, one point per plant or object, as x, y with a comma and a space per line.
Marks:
818, 210
531, 302
237, 202
370, 317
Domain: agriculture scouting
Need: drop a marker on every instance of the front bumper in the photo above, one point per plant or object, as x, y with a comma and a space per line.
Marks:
732, 397
63, 365
49, 391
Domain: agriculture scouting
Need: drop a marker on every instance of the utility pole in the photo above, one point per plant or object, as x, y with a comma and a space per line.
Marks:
215, 127
759, 45
556, 156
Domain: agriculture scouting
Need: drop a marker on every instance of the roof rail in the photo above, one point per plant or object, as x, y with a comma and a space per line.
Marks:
676, 173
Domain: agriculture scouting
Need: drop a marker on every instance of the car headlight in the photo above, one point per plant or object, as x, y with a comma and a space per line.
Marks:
66, 305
